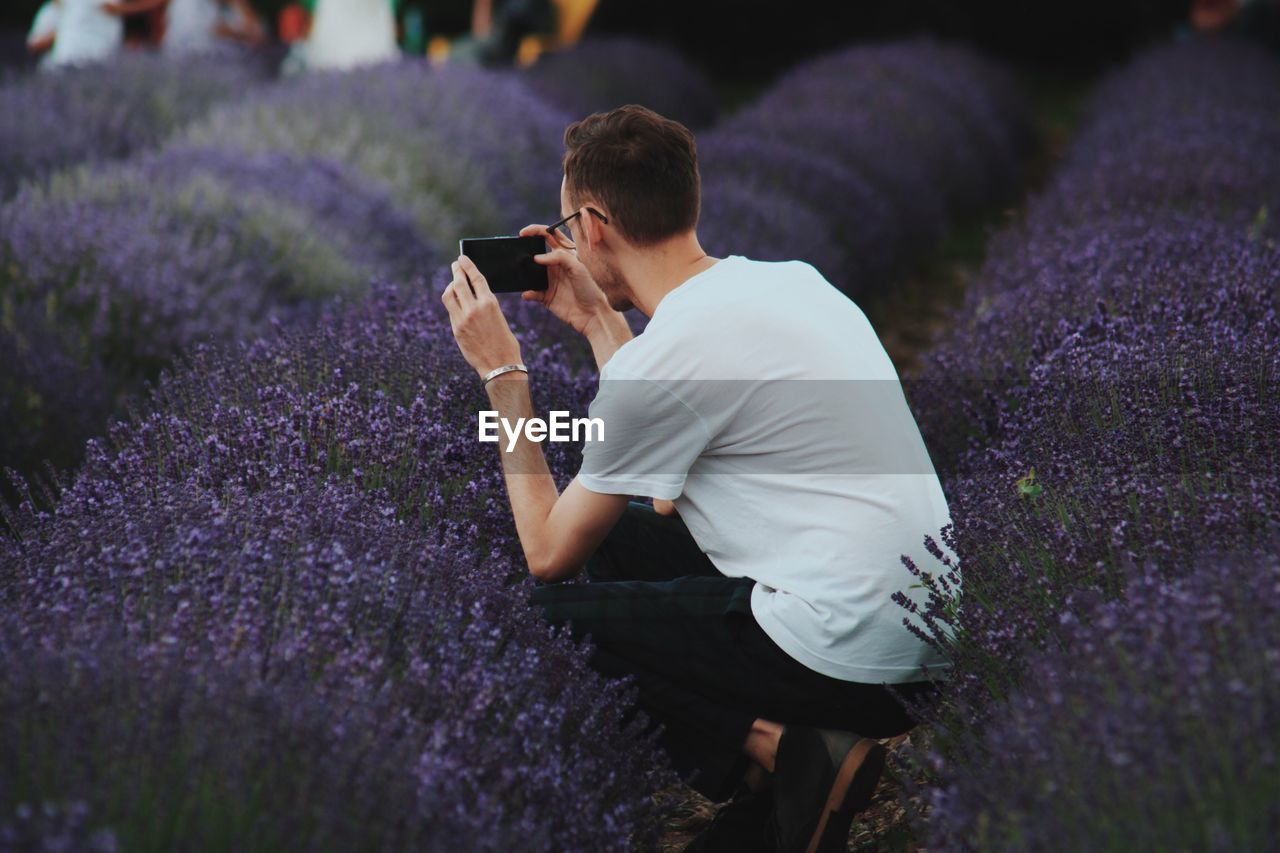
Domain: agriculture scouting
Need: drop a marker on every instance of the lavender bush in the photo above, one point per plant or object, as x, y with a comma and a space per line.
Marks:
378, 394
304, 544
117, 270
600, 73
1125, 364
108, 111
1150, 725
1200, 113
869, 237
907, 134
1167, 268
468, 152
293, 668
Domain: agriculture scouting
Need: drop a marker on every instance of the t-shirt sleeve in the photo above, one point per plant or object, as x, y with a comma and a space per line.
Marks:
651, 439
45, 23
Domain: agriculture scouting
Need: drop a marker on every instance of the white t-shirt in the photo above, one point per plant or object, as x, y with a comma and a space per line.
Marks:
189, 26
761, 402
85, 33
350, 33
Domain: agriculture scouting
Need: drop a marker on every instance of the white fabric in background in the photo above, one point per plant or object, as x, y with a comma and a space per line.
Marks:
189, 26
85, 34
350, 33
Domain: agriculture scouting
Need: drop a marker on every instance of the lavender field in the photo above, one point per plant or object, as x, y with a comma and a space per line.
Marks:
260, 587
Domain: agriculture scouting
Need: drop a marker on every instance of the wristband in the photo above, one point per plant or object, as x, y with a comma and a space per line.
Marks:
498, 371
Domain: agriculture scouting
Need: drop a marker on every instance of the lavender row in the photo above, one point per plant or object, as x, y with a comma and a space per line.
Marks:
464, 151
880, 145
111, 273
1149, 725
101, 113
1118, 359
298, 569
257, 214
1186, 127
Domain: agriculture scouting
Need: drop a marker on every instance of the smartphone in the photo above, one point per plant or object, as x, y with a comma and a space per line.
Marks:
507, 262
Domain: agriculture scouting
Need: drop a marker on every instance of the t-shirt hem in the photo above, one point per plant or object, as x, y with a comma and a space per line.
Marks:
630, 486
843, 672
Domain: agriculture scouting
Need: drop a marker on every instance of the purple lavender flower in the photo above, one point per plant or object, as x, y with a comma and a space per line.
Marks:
121, 269
468, 152
108, 111
869, 241
298, 570
1107, 401
1150, 724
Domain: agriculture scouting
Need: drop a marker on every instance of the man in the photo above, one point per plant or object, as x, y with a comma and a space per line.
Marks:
759, 405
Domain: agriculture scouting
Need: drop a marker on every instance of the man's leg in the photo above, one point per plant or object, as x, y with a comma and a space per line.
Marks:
674, 637
706, 670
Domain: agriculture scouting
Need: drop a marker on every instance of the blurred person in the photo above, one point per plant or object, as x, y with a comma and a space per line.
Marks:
199, 26
1211, 16
1258, 20
350, 33
91, 30
498, 26
43, 30
753, 602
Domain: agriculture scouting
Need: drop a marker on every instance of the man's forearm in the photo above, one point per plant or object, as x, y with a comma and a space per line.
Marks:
606, 332
530, 486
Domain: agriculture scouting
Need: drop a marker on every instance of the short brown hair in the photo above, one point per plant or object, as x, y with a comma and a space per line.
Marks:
642, 167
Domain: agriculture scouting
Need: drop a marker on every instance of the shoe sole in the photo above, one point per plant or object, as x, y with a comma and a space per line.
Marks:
850, 793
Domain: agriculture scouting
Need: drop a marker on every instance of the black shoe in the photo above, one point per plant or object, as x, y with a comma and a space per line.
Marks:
822, 778
738, 827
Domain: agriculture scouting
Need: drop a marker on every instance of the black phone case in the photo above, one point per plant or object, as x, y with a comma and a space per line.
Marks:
507, 262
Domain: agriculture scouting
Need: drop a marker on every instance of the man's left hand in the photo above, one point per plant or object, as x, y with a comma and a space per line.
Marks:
478, 324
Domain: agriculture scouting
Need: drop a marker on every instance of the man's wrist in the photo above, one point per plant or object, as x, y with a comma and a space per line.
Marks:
504, 369
513, 376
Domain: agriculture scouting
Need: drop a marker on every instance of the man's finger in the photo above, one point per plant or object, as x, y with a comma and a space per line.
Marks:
554, 257
478, 281
534, 296
450, 298
465, 287
533, 231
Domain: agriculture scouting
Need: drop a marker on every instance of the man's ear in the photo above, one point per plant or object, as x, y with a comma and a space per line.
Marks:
592, 229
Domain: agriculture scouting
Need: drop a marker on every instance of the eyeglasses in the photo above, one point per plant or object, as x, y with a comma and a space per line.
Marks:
561, 227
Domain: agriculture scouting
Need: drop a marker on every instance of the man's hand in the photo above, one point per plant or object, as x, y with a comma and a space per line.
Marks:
662, 507
572, 294
478, 324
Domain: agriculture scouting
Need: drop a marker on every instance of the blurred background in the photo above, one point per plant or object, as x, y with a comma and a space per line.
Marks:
738, 42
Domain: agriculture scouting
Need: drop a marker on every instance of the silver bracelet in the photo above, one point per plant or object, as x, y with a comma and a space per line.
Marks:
498, 371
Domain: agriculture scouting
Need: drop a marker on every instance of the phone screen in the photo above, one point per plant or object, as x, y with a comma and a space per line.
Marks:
507, 262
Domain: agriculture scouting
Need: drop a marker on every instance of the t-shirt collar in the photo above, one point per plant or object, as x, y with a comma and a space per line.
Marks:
684, 285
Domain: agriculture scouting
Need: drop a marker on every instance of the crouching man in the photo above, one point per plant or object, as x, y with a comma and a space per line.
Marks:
752, 603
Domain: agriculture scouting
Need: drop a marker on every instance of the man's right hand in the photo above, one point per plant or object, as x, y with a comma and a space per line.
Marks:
571, 294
